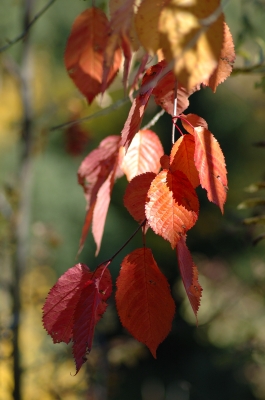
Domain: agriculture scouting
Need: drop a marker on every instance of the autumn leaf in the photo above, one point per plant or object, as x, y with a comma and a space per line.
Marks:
182, 158
191, 121
120, 25
84, 53
146, 24
74, 305
97, 174
194, 46
225, 63
189, 275
172, 208
210, 163
135, 195
144, 303
143, 154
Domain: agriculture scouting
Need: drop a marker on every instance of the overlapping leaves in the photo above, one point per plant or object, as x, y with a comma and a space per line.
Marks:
195, 47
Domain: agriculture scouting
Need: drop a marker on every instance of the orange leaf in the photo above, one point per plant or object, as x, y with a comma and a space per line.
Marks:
164, 91
135, 195
144, 303
225, 63
182, 158
85, 51
173, 206
143, 154
184, 39
189, 275
210, 163
191, 121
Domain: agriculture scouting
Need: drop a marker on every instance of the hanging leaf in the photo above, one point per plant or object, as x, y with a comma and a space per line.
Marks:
120, 25
143, 154
210, 163
146, 23
84, 53
225, 63
191, 121
182, 158
172, 208
74, 305
184, 38
97, 174
189, 275
143, 299
135, 195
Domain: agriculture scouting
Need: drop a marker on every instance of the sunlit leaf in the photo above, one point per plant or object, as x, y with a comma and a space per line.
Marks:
143, 299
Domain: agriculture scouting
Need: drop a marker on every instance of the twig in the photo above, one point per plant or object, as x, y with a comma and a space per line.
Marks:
97, 114
154, 119
27, 28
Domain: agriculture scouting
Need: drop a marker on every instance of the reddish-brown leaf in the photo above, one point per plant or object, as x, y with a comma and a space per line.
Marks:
210, 163
133, 122
135, 195
144, 303
164, 92
99, 166
189, 275
120, 25
85, 52
60, 304
173, 206
191, 121
182, 158
143, 154
225, 63
74, 305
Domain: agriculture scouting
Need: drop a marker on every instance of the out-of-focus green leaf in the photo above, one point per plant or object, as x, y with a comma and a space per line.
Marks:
257, 201
255, 220
254, 187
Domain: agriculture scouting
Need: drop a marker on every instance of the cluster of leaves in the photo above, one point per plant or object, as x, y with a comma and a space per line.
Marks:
194, 47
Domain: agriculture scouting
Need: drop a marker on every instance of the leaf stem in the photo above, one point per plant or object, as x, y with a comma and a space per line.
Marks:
124, 245
175, 108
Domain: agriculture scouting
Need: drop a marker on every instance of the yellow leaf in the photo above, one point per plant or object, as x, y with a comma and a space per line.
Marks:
146, 24
187, 37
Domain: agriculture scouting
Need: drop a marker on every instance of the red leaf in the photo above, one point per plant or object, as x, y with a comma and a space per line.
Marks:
60, 304
135, 195
74, 305
210, 163
85, 51
191, 121
225, 63
189, 275
97, 174
143, 299
133, 122
143, 154
182, 158
173, 206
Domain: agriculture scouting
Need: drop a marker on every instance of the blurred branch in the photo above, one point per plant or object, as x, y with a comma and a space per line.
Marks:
27, 27
154, 119
257, 68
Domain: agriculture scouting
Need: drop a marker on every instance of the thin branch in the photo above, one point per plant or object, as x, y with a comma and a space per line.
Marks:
97, 114
154, 119
27, 28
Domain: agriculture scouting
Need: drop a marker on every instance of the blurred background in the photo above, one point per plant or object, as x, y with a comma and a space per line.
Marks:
42, 210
